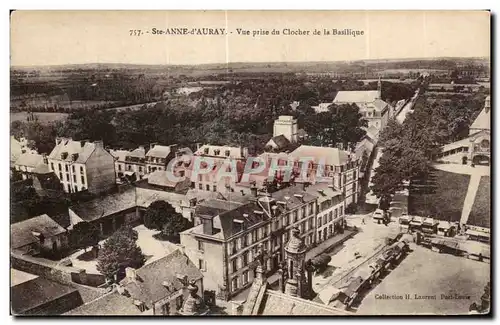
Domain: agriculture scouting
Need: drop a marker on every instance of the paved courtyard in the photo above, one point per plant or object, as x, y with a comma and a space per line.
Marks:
152, 248
427, 273
370, 238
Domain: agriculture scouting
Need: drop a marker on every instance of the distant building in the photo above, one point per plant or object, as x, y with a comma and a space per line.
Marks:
158, 157
337, 167
476, 148
38, 235
41, 297
107, 213
130, 163
18, 147
376, 111
278, 143
286, 126
294, 291
82, 165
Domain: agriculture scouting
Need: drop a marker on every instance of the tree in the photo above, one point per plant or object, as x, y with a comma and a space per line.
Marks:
320, 262
119, 252
162, 216
84, 234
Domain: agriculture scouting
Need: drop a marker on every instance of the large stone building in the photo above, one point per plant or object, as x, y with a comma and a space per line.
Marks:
130, 163
224, 244
82, 165
376, 111
295, 291
331, 165
476, 148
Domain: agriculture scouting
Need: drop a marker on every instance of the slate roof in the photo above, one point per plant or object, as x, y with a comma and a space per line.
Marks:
148, 287
281, 141
215, 206
234, 152
29, 159
119, 155
482, 121
323, 193
331, 156
356, 96
73, 147
138, 153
159, 151
160, 178
110, 304
21, 233
34, 293
105, 205
277, 303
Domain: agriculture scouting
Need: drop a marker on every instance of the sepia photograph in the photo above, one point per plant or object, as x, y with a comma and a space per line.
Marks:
250, 163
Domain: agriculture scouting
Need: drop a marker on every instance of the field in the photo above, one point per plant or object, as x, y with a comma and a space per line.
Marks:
441, 196
480, 214
43, 118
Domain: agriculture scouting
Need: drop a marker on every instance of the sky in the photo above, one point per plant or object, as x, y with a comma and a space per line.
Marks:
75, 37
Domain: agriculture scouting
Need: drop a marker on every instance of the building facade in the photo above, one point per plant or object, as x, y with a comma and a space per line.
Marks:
226, 242
158, 157
82, 165
286, 126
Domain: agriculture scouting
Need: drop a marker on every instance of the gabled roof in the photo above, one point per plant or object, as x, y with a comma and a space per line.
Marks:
119, 155
356, 96
161, 178
331, 156
29, 159
84, 149
149, 285
21, 233
105, 205
138, 153
246, 214
159, 151
29, 295
234, 152
281, 141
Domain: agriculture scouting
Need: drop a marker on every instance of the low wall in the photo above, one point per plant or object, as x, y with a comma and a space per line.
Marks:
52, 271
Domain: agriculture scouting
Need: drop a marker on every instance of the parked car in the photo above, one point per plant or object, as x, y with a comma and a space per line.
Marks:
379, 216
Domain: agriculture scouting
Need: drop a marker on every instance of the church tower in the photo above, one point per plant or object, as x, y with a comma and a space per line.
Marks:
297, 272
379, 89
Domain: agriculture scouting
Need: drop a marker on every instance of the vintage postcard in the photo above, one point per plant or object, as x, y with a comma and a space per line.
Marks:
250, 163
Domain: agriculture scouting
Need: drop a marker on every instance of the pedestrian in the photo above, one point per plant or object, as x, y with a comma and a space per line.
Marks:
363, 221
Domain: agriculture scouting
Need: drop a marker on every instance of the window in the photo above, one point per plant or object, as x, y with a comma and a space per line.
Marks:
119, 167
74, 178
245, 277
66, 167
354, 175
81, 170
234, 263
129, 167
60, 167
245, 259
336, 215
319, 235
311, 223
165, 309
244, 241
178, 302
227, 152
76, 188
234, 283
232, 247
67, 177
302, 227
200, 177
207, 187
214, 188
140, 169
319, 221
83, 180
200, 186
324, 219
52, 166
341, 210
254, 236
345, 178
303, 212
311, 208
61, 176
330, 216
73, 168
201, 264
295, 216
201, 246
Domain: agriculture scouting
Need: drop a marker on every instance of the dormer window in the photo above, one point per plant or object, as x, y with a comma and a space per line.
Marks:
216, 152
206, 151
227, 152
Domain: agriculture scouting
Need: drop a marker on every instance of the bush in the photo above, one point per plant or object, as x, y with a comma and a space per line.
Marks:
351, 208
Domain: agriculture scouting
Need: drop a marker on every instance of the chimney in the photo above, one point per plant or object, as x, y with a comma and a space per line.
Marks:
82, 143
208, 225
99, 144
130, 273
253, 190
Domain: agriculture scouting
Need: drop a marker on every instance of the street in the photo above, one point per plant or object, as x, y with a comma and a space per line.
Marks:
428, 275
